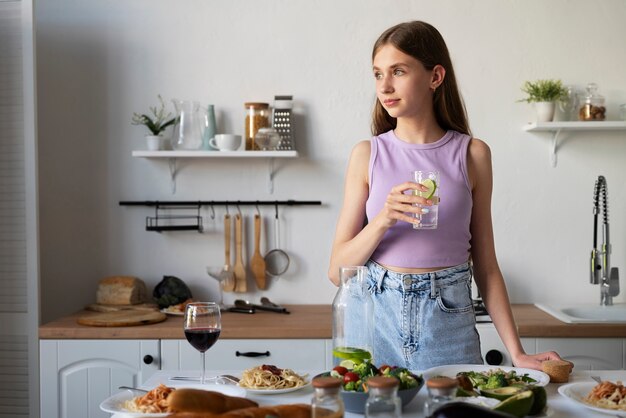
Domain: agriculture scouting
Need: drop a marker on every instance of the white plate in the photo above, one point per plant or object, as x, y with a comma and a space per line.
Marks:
165, 311
276, 391
452, 370
115, 403
576, 392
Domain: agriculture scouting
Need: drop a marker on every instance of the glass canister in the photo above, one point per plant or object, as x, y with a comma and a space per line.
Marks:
353, 318
326, 402
441, 390
383, 400
592, 106
257, 116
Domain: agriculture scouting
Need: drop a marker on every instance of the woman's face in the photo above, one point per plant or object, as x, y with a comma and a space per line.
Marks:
403, 84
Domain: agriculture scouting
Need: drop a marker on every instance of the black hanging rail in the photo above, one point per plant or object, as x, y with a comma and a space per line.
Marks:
164, 203
162, 221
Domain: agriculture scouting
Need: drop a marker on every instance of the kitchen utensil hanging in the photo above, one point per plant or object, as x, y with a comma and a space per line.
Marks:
277, 260
257, 263
240, 268
184, 221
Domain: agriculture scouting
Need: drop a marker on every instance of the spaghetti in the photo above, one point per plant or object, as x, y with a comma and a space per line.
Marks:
154, 401
607, 395
271, 377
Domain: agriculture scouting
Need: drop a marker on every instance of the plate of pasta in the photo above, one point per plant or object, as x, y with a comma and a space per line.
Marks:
608, 397
154, 403
271, 380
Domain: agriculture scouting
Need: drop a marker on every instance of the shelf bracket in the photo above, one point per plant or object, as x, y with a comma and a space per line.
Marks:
555, 145
270, 176
173, 173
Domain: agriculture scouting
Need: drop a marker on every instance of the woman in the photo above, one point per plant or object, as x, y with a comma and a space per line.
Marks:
420, 279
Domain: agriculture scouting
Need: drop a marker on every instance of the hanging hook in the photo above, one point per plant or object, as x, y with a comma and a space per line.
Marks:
238, 210
258, 212
227, 210
276, 210
213, 212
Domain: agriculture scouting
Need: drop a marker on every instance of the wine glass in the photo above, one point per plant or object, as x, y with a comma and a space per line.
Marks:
202, 324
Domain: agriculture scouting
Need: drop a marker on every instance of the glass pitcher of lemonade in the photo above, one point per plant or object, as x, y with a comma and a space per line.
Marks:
353, 319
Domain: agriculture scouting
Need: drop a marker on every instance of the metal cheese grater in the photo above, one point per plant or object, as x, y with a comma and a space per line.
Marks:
282, 122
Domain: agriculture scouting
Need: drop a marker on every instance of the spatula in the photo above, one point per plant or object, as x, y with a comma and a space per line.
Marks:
240, 268
257, 263
227, 277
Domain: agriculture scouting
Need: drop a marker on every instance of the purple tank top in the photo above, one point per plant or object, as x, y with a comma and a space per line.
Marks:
392, 161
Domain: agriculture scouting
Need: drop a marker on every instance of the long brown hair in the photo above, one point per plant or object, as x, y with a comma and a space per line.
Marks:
424, 43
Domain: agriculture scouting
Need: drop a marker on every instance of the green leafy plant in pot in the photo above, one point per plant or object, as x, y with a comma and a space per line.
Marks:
544, 94
156, 124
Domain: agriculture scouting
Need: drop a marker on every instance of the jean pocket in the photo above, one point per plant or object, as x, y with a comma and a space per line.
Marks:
455, 298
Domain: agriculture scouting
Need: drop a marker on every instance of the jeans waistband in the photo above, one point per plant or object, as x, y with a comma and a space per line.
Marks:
414, 281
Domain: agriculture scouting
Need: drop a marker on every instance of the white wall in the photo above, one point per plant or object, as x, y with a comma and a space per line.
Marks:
98, 61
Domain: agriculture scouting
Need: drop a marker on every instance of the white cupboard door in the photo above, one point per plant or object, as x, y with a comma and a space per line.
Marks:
77, 375
243, 354
586, 353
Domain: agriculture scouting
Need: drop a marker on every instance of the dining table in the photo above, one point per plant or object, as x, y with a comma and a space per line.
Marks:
558, 405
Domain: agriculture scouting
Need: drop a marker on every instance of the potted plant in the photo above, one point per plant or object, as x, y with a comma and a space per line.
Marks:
544, 94
156, 124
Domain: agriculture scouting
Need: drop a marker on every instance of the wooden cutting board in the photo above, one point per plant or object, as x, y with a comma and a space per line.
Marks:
97, 307
125, 318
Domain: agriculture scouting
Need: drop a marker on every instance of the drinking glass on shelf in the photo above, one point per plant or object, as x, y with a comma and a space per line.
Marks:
202, 324
430, 214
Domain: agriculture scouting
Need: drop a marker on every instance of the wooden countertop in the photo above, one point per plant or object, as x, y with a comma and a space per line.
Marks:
306, 321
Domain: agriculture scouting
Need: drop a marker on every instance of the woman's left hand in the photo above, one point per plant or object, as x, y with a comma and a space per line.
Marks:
533, 361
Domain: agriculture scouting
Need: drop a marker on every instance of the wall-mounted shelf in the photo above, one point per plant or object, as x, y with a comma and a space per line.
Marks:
557, 127
173, 156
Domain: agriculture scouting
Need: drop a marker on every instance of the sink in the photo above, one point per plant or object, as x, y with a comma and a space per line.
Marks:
586, 313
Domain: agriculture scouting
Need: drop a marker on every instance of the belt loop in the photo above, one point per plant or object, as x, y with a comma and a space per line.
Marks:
379, 280
433, 285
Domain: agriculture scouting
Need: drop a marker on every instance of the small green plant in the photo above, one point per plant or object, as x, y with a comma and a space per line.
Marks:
159, 120
544, 91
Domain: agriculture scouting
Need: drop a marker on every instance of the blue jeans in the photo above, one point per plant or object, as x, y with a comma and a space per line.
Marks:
423, 320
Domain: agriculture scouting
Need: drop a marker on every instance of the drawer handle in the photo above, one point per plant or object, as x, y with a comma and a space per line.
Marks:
148, 359
252, 354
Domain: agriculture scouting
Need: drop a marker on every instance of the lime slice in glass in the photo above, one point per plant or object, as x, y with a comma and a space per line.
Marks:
352, 353
431, 185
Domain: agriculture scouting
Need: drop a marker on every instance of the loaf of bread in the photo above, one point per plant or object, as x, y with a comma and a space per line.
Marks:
558, 370
198, 400
279, 411
121, 290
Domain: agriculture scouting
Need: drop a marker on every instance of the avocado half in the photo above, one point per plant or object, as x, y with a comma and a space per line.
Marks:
518, 405
501, 393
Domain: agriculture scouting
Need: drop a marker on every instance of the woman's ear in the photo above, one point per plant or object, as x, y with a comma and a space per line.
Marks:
437, 76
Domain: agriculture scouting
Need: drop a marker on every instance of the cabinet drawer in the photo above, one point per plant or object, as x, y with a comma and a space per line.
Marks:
242, 354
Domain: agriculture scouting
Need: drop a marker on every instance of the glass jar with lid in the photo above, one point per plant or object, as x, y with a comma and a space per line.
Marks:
383, 400
441, 390
326, 402
592, 106
257, 116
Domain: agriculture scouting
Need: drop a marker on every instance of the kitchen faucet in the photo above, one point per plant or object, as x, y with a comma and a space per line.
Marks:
601, 271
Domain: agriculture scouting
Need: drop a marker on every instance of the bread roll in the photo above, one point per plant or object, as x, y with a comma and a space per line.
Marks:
121, 290
280, 411
198, 400
558, 370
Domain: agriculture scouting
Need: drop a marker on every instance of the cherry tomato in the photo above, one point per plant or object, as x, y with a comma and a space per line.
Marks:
350, 377
341, 370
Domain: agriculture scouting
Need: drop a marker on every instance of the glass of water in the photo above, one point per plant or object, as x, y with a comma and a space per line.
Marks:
430, 214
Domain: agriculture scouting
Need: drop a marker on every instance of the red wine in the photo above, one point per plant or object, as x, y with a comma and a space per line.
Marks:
202, 338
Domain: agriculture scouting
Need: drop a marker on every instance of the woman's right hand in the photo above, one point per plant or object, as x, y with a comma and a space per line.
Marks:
400, 205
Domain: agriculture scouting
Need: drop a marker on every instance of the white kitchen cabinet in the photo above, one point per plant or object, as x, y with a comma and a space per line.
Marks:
587, 353
493, 350
243, 354
77, 375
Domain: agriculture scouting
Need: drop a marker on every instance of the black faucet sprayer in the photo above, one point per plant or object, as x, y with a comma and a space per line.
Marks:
601, 271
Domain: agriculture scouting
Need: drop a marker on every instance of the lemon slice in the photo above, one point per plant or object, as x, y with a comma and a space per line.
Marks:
431, 185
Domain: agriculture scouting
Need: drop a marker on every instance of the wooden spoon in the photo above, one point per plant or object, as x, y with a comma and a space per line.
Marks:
240, 268
227, 277
257, 263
